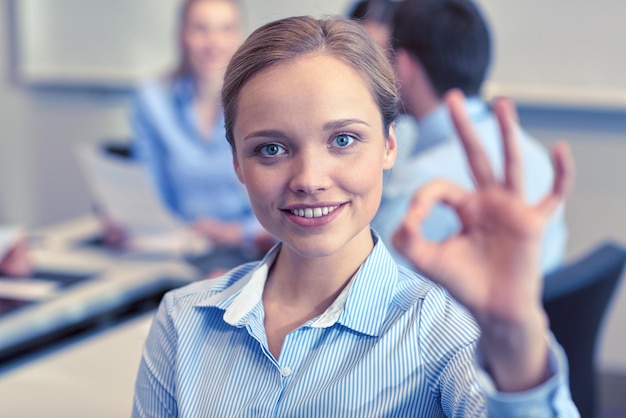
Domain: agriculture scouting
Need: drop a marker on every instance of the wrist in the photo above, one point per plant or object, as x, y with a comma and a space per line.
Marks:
516, 353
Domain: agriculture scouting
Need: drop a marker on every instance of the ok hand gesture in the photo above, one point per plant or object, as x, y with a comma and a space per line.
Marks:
492, 266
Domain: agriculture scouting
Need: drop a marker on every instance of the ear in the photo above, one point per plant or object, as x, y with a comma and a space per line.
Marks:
237, 168
404, 64
391, 148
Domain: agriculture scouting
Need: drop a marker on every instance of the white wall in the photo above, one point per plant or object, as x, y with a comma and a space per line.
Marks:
559, 51
39, 181
259, 12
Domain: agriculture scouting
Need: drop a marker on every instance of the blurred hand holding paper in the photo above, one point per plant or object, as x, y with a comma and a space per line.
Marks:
126, 193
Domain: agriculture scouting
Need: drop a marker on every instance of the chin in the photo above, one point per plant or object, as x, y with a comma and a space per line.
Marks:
311, 247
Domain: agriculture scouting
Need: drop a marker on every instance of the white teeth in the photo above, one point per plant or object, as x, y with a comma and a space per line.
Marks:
314, 212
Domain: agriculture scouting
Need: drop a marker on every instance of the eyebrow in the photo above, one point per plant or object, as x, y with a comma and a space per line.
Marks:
267, 133
328, 126
338, 124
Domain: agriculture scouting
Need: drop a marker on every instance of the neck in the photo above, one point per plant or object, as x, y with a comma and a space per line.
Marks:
313, 282
421, 96
299, 289
207, 103
425, 107
208, 89
423, 99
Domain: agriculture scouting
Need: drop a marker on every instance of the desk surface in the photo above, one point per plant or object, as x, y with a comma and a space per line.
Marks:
90, 377
91, 374
116, 282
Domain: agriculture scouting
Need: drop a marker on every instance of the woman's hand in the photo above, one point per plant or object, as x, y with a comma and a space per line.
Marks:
228, 234
492, 266
16, 262
231, 234
115, 236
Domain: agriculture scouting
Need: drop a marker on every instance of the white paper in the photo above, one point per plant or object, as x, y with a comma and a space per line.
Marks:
20, 288
125, 191
8, 237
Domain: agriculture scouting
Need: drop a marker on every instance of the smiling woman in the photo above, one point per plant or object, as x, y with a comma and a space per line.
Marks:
327, 324
334, 123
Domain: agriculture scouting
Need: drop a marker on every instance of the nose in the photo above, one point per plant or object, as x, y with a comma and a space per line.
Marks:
211, 38
311, 173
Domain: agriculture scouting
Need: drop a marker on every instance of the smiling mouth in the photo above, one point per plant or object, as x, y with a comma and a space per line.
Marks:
317, 212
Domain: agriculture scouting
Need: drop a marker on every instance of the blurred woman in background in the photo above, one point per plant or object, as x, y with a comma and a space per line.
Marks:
178, 129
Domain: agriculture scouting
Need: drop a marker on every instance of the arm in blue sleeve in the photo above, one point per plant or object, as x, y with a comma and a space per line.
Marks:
149, 148
552, 399
155, 387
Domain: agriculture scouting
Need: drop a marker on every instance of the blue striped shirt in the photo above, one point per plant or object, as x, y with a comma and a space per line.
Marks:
392, 344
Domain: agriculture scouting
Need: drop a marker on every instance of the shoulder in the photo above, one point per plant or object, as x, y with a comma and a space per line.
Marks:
489, 133
154, 89
437, 304
446, 328
440, 312
412, 287
448, 160
443, 161
532, 148
195, 293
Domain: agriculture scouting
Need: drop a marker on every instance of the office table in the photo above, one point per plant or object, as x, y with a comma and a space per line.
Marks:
115, 283
91, 376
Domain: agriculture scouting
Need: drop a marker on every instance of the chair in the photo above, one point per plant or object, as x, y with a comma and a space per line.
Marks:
576, 298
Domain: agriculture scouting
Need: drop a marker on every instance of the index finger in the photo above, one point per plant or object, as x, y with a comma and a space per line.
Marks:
507, 119
476, 156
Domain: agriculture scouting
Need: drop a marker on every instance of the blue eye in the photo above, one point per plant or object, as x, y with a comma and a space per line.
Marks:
270, 150
343, 140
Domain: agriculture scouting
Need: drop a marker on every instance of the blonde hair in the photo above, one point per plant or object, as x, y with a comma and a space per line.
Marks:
292, 37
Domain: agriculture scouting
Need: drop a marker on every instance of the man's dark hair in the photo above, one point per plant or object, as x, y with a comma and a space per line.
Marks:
358, 11
380, 11
450, 38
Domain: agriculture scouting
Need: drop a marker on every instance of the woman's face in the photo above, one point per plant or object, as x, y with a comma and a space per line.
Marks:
211, 35
311, 151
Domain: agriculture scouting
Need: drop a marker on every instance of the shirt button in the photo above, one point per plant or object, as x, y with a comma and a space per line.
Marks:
285, 371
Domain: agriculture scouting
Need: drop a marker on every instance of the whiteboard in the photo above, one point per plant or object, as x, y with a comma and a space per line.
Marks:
116, 43
556, 52
94, 42
559, 52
